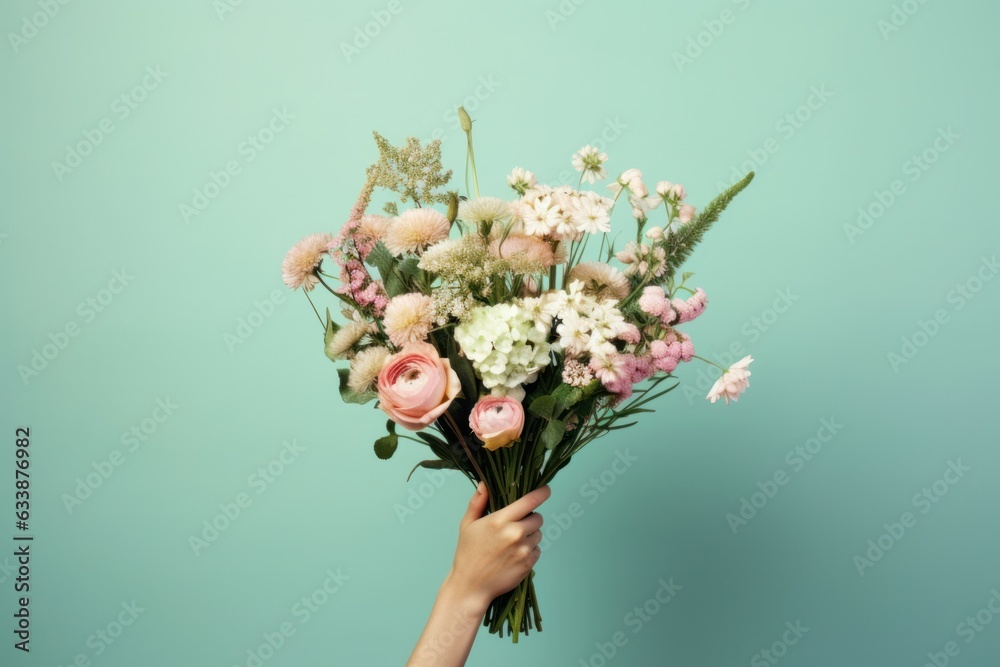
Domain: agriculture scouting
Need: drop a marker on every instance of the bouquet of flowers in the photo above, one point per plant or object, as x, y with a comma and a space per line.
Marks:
482, 326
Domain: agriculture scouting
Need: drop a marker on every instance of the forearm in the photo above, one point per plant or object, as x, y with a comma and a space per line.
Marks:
451, 628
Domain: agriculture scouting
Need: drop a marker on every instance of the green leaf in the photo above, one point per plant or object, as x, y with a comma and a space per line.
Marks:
430, 439
463, 368
408, 268
380, 258
543, 406
432, 464
386, 263
553, 433
349, 396
385, 446
566, 396
686, 275
440, 448
331, 329
390, 426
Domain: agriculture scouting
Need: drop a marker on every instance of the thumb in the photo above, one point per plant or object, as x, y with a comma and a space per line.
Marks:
476, 506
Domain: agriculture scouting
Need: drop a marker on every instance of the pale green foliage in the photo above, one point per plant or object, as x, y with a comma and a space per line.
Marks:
412, 171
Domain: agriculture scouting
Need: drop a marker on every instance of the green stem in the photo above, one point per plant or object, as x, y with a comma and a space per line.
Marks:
468, 452
321, 322
472, 159
709, 361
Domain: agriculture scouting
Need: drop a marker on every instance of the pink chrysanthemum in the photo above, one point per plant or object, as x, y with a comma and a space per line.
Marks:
408, 318
629, 333
414, 230
299, 267
687, 350
601, 280
666, 353
687, 310
370, 230
653, 301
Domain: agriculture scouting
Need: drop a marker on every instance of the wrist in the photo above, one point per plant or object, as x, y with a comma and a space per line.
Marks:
463, 598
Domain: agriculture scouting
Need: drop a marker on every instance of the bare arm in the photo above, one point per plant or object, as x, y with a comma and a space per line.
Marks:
495, 552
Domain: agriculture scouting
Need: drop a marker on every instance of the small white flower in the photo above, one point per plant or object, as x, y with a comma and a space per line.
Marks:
632, 180
539, 216
574, 333
590, 161
655, 233
643, 205
590, 216
521, 180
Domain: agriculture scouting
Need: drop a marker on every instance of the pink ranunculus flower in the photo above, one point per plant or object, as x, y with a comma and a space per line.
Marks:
497, 420
416, 386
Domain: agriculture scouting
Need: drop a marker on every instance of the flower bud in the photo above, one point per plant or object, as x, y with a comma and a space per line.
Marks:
464, 119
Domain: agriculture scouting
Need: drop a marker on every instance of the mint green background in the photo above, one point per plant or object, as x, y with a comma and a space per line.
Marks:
555, 87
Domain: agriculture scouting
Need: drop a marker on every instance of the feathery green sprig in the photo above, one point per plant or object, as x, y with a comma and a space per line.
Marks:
680, 244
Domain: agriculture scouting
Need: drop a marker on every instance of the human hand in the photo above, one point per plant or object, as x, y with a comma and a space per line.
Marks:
495, 552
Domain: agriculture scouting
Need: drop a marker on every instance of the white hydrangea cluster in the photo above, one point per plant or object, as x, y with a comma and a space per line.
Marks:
503, 344
588, 325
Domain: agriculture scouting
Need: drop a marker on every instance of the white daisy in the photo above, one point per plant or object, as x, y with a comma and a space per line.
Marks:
590, 217
540, 217
590, 161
